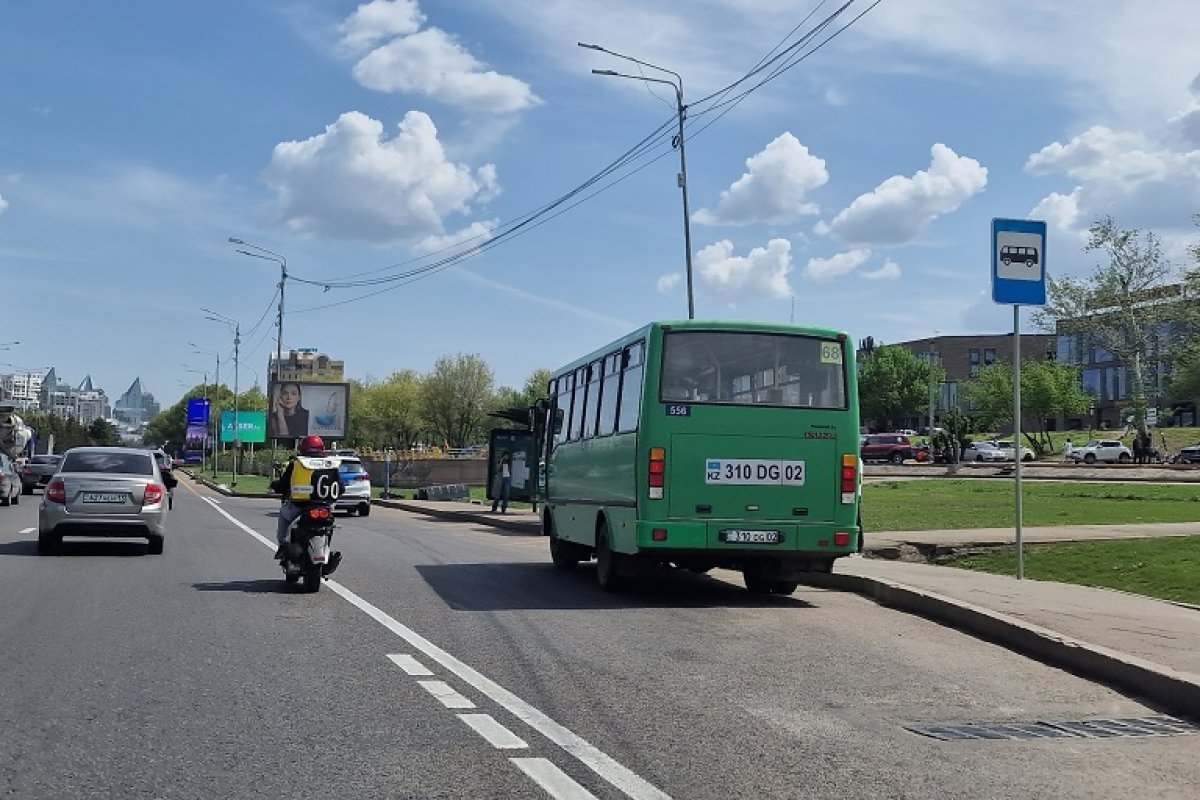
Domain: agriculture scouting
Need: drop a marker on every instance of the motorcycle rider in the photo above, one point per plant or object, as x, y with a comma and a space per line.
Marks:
311, 446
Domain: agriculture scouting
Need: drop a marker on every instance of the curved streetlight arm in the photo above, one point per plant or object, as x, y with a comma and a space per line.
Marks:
601, 49
614, 74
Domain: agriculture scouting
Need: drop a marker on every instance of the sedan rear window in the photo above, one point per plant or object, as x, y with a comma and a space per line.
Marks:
351, 468
119, 463
45, 459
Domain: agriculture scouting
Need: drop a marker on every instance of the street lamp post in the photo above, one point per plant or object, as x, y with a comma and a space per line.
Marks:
213, 316
270, 255
217, 420
681, 115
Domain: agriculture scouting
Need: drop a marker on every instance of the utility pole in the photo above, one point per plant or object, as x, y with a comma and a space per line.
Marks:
271, 255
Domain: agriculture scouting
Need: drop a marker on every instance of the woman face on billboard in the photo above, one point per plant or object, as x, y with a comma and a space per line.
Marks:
289, 398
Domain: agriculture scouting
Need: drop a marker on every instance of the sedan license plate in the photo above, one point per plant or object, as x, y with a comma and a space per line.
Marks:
751, 537
103, 497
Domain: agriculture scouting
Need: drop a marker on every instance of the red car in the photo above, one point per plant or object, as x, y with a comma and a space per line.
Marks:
893, 447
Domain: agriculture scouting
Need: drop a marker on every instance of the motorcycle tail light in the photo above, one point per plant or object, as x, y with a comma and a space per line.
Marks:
318, 513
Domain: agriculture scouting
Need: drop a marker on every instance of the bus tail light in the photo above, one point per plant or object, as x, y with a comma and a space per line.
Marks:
658, 472
659, 534
849, 477
841, 539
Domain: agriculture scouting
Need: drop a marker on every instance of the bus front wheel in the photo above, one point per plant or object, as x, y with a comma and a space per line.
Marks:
607, 572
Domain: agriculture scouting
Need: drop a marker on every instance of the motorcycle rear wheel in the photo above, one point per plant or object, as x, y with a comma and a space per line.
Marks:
312, 580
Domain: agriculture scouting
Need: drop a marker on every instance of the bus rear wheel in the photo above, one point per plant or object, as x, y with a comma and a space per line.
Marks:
608, 574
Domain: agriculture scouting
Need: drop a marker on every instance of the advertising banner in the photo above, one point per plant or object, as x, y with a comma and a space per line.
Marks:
195, 440
252, 427
299, 409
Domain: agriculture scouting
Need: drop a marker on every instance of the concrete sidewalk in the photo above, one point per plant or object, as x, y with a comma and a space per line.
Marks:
1149, 648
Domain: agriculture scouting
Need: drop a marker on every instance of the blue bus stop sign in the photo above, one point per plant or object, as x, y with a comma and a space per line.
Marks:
1019, 262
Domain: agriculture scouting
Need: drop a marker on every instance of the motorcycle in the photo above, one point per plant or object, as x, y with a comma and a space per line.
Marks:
308, 557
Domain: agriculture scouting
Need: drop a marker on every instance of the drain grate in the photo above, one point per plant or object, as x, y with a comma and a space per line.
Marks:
1063, 729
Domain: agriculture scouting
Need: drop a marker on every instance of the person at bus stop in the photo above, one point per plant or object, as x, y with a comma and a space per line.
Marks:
289, 510
289, 417
1139, 453
1067, 450
503, 483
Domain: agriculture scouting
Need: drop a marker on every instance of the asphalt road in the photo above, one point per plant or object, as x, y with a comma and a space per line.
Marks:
452, 661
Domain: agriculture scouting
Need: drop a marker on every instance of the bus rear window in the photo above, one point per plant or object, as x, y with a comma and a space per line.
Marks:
749, 368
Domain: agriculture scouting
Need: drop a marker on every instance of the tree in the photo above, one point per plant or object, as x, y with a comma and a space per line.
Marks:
455, 397
103, 434
1047, 390
1119, 303
531, 392
67, 431
1185, 372
892, 384
387, 413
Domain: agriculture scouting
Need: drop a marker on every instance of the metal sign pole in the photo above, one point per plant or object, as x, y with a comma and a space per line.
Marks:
1017, 432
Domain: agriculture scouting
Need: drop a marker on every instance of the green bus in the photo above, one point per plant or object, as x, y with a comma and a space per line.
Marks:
701, 445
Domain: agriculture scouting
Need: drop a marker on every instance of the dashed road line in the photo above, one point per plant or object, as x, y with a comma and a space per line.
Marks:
633, 785
496, 734
28, 530
444, 693
410, 665
557, 783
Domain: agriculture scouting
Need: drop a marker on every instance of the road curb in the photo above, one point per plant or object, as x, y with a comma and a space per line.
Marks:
497, 521
226, 491
1172, 690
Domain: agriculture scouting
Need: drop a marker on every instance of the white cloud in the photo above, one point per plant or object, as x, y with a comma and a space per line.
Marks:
351, 182
888, 272
432, 63
1141, 182
3, 204
1097, 62
373, 22
826, 269
773, 188
463, 239
900, 208
667, 283
1060, 211
836, 98
761, 274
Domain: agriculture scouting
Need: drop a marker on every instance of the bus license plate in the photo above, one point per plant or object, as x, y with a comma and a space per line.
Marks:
103, 497
753, 472
751, 537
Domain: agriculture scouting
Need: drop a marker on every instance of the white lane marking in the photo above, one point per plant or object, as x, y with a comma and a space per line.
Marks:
443, 692
28, 530
410, 665
604, 765
496, 734
556, 782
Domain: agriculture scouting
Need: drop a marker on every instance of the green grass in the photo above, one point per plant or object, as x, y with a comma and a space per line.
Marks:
1166, 568
934, 504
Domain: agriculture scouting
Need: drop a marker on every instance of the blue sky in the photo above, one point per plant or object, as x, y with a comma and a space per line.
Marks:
355, 140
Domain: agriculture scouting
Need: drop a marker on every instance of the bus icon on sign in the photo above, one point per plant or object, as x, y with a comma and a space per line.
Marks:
1021, 255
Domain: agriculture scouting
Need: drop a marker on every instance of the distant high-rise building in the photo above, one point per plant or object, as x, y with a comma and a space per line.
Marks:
307, 365
136, 406
84, 402
22, 388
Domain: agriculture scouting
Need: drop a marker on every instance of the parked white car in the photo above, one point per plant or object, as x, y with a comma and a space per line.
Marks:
1006, 447
1108, 450
982, 451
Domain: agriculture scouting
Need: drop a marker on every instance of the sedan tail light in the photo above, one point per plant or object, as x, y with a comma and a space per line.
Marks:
363, 477
152, 495
56, 491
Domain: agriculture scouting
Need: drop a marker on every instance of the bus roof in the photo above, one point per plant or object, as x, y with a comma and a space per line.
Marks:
699, 324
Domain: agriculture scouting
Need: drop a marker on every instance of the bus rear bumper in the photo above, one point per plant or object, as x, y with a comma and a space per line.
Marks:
736, 540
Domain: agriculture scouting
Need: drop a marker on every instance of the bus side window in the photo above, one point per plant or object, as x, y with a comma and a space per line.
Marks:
563, 420
592, 424
608, 394
631, 387
580, 413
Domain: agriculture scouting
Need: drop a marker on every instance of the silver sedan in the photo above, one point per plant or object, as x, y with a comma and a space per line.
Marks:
104, 491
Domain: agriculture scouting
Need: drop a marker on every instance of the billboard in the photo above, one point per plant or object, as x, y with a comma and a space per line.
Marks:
299, 409
252, 426
195, 440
